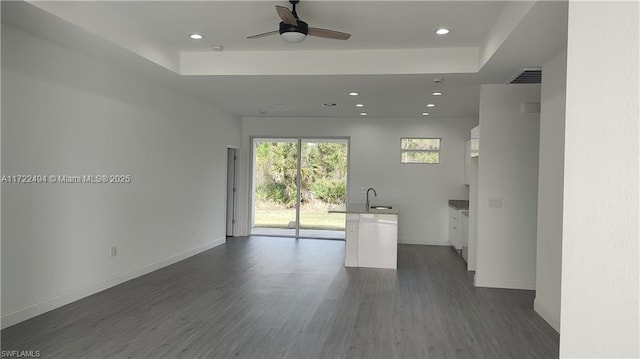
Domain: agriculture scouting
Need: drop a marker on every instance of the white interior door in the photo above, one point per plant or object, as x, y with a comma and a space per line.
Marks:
231, 189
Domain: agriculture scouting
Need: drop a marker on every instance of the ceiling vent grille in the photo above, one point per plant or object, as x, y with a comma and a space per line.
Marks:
528, 76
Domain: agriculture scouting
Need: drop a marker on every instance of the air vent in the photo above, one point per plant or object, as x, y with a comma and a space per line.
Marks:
528, 76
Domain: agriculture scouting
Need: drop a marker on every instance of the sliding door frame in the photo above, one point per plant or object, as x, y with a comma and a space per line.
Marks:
299, 140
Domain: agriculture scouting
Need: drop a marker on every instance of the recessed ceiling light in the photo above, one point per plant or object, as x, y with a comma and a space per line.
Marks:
437, 93
353, 94
431, 105
438, 80
425, 114
217, 47
363, 114
330, 105
359, 105
196, 37
442, 31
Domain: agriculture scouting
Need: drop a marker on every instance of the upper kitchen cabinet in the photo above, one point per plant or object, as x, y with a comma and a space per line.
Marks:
467, 162
475, 142
471, 149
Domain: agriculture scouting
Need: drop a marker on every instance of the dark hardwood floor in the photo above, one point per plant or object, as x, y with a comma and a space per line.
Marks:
259, 297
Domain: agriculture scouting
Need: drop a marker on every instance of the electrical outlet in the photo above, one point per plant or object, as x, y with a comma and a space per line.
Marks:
114, 251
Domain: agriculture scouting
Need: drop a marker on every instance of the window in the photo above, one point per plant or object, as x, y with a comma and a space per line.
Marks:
420, 150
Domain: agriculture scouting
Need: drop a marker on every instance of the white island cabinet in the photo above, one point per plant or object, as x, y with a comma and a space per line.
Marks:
372, 237
378, 241
351, 240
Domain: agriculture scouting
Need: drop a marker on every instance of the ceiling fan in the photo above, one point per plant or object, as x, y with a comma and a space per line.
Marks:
294, 30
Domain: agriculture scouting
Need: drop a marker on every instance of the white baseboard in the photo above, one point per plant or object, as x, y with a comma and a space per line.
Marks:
546, 314
503, 282
31, 310
421, 241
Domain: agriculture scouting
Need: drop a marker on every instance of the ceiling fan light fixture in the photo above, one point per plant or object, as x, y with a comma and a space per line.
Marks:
293, 37
293, 30
294, 34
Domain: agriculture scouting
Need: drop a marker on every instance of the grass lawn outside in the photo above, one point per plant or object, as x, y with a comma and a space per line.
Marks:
312, 216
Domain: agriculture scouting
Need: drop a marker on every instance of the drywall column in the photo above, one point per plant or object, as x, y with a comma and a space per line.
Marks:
600, 286
550, 186
507, 187
473, 215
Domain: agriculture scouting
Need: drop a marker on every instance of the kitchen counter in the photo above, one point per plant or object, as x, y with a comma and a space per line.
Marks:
361, 208
459, 204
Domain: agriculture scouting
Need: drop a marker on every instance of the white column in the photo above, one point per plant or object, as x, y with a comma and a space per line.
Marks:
600, 315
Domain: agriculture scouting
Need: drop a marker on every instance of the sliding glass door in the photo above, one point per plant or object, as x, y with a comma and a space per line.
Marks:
323, 184
275, 186
295, 183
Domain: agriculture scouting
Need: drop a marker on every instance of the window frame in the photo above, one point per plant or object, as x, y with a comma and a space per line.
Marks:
403, 151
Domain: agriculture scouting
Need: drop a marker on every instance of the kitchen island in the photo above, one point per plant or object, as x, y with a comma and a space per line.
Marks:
371, 237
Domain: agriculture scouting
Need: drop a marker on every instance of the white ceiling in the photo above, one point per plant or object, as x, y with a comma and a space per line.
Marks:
373, 25
391, 59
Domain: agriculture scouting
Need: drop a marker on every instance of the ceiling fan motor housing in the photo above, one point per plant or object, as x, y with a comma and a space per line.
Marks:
302, 27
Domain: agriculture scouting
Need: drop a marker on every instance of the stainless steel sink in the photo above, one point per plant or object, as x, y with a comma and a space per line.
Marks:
380, 207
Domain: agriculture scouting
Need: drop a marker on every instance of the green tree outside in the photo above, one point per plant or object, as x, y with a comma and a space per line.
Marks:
323, 172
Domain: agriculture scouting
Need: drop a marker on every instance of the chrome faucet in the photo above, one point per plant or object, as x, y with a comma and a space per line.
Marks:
374, 193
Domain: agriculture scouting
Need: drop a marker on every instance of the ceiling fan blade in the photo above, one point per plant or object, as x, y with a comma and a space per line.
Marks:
329, 34
264, 34
286, 15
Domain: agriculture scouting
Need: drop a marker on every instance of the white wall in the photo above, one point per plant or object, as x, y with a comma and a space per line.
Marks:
64, 113
550, 186
421, 192
508, 172
0, 174
600, 258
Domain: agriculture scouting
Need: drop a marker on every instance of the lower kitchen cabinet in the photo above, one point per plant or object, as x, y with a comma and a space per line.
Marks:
463, 221
455, 235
